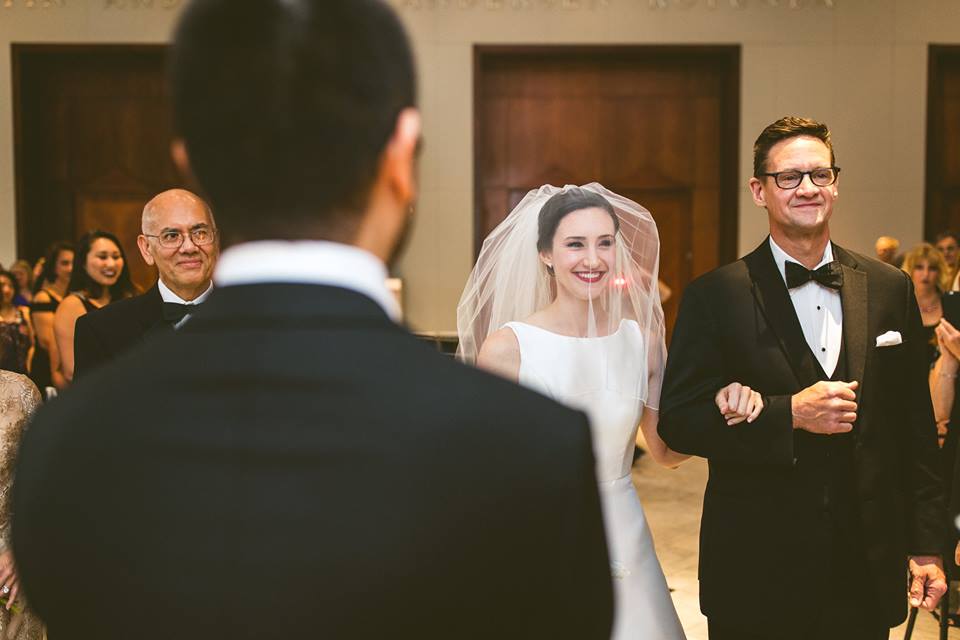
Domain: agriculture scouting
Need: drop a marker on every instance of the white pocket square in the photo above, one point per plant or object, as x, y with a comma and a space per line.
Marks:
889, 339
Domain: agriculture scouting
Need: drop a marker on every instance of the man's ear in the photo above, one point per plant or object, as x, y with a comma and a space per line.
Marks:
399, 159
144, 246
756, 189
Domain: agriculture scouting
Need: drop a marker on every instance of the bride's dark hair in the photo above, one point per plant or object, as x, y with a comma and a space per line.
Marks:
563, 203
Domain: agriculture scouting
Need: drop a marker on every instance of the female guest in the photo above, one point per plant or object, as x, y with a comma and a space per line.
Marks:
23, 273
564, 299
16, 336
99, 277
931, 279
18, 400
50, 288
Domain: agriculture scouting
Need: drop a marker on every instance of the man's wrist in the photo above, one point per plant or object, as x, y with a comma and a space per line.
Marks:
793, 414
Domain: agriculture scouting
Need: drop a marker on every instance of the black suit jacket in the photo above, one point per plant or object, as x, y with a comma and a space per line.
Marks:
738, 323
102, 335
292, 464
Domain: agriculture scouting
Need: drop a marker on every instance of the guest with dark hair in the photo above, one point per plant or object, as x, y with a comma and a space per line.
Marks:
948, 243
49, 290
16, 336
23, 273
100, 276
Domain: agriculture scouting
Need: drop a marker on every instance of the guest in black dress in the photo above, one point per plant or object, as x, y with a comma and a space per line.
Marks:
931, 279
16, 336
49, 290
100, 276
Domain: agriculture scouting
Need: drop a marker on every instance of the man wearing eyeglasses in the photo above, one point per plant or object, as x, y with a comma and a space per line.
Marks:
180, 238
816, 510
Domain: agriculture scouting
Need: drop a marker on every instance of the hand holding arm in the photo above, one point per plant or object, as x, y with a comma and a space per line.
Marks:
738, 403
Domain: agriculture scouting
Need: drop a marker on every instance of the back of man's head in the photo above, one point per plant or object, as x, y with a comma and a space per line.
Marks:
285, 107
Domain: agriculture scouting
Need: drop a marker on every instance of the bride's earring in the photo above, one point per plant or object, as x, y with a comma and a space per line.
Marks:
550, 269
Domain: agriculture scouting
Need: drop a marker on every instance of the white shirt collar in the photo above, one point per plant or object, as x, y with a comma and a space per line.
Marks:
780, 257
169, 296
307, 262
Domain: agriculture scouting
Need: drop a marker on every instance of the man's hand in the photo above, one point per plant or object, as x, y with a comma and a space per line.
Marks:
929, 582
826, 407
9, 581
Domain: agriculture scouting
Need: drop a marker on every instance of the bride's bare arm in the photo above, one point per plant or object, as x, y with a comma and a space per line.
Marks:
658, 449
500, 354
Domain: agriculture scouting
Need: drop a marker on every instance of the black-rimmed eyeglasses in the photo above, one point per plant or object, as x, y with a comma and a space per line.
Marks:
173, 239
791, 178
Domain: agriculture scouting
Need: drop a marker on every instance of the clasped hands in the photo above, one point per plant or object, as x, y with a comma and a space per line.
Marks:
825, 407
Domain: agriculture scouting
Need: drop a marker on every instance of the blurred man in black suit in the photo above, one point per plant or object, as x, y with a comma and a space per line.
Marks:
291, 463
180, 238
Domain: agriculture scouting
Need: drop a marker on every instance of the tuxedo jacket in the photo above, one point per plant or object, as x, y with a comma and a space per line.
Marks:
759, 553
102, 335
291, 463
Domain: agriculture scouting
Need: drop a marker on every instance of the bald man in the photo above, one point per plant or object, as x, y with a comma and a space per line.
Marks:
179, 237
886, 248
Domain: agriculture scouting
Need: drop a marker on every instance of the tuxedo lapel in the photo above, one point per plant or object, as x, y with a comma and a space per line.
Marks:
854, 299
855, 326
773, 299
151, 313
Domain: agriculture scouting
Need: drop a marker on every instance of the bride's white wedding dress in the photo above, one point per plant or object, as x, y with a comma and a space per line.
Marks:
573, 371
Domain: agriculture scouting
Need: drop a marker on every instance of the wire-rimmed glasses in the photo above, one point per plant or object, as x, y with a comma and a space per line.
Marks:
173, 239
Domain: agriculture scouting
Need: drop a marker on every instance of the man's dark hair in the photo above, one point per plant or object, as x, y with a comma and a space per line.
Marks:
49, 273
564, 203
286, 106
784, 129
949, 233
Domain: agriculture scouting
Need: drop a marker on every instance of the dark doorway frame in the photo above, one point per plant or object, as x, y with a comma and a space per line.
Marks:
19, 52
938, 58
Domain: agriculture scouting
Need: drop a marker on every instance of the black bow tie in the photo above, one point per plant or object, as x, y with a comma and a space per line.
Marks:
829, 275
173, 312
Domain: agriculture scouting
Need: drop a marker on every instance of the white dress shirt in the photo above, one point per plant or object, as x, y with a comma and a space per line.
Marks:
307, 262
169, 296
818, 308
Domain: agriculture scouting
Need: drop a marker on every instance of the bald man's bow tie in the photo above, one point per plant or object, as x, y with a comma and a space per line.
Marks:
174, 312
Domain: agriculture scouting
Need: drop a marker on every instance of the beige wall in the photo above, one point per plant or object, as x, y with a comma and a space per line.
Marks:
860, 63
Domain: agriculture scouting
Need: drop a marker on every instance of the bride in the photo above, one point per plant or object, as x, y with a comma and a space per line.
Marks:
564, 300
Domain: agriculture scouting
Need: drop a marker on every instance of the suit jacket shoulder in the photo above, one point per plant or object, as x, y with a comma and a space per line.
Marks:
103, 334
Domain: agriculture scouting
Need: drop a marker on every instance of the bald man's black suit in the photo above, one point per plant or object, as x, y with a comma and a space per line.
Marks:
102, 335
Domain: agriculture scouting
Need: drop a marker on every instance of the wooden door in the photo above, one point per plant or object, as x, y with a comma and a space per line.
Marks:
658, 125
92, 143
942, 209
